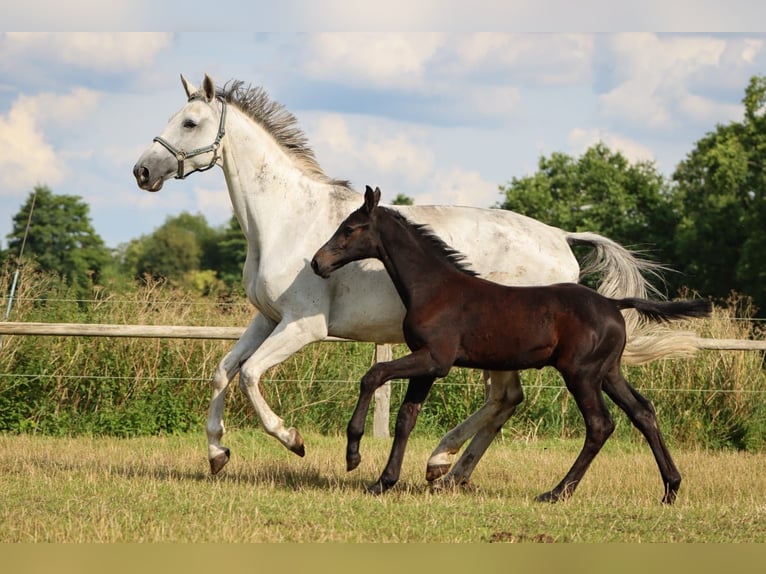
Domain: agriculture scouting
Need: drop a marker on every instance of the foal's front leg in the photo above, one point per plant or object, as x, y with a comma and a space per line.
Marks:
417, 391
417, 364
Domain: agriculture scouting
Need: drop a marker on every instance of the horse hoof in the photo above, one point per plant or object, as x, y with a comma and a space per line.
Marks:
296, 443
450, 484
352, 461
436, 471
219, 461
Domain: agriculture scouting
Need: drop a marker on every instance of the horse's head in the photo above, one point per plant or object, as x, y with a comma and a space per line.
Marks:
354, 239
190, 141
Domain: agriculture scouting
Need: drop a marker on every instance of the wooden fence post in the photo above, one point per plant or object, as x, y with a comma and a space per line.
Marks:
382, 409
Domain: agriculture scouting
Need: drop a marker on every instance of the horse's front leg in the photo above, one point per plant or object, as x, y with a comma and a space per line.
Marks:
289, 337
260, 328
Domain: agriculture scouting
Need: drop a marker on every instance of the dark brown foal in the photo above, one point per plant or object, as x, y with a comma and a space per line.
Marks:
457, 319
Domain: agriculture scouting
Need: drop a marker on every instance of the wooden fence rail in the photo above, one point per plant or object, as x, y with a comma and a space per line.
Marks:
233, 333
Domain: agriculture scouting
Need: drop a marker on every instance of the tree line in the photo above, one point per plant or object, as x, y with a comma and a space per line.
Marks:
706, 222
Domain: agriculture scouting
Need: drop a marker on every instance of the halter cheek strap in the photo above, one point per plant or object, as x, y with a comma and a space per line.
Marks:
182, 155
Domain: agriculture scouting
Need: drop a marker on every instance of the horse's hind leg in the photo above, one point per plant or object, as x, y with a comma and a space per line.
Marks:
256, 332
598, 427
641, 413
505, 394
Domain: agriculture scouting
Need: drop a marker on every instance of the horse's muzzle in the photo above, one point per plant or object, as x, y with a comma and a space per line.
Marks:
143, 178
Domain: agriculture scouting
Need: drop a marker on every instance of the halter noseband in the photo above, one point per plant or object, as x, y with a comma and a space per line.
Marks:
182, 155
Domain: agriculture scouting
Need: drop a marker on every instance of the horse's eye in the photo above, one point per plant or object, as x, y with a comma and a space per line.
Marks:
190, 124
348, 230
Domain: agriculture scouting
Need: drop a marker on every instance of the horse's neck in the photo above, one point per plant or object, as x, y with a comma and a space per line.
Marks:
408, 260
270, 194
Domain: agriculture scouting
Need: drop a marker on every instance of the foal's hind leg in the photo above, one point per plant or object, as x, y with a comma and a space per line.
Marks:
598, 427
505, 394
641, 413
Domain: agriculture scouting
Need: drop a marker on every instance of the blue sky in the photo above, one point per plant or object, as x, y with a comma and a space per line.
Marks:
442, 117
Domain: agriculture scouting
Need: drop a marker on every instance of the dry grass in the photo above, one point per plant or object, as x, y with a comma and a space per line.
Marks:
158, 489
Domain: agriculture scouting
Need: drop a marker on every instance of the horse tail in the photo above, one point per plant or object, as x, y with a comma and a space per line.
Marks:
623, 274
663, 311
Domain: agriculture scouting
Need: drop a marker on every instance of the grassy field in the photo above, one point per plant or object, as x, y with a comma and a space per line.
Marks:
157, 489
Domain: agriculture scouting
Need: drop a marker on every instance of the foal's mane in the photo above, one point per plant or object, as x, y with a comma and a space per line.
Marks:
434, 243
280, 123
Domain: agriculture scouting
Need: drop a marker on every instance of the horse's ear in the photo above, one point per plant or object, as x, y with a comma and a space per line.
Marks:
190, 89
208, 87
371, 199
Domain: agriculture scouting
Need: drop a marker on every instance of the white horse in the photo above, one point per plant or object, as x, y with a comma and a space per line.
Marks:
287, 207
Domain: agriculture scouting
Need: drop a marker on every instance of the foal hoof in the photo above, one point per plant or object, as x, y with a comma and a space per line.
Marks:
378, 488
551, 497
296, 443
436, 471
352, 461
670, 497
219, 461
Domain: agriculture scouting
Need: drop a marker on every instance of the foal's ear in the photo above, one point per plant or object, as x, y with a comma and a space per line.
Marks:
208, 88
188, 88
371, 199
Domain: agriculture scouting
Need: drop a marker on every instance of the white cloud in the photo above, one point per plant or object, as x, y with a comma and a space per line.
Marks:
658, 76
581, 139
378, 60
29, 159
455, 186
58, 109
543, 59
500, 102
106, 52
378, 148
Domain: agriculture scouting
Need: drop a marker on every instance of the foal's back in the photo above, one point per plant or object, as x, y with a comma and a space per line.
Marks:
515, 328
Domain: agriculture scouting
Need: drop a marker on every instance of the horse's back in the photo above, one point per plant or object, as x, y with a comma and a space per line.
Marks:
500, 245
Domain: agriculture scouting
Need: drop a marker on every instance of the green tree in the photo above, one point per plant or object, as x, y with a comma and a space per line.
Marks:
61, 238
402, 199
601, 192
721, 185
187, 251
231, 252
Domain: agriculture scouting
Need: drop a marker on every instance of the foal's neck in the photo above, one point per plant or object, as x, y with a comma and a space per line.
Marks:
410, 261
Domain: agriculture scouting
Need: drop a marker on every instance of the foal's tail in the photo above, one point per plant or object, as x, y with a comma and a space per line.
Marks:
660, 311
623, 274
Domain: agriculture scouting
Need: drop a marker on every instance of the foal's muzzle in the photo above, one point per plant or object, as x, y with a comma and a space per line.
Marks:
321, 272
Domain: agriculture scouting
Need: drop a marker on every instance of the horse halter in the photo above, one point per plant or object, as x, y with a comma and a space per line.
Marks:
182, 155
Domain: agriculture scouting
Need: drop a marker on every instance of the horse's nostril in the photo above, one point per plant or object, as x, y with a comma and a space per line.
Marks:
141, 173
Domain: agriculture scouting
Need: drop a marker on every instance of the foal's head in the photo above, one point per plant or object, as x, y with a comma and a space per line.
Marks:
355, 239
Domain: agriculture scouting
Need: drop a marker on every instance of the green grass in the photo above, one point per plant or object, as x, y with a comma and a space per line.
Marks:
152, 489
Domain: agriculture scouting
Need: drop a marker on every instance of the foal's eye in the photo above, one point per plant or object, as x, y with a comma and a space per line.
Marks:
348, 230
190, 124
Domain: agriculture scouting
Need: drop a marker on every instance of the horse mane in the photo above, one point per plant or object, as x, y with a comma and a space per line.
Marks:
436, 244
280, 123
